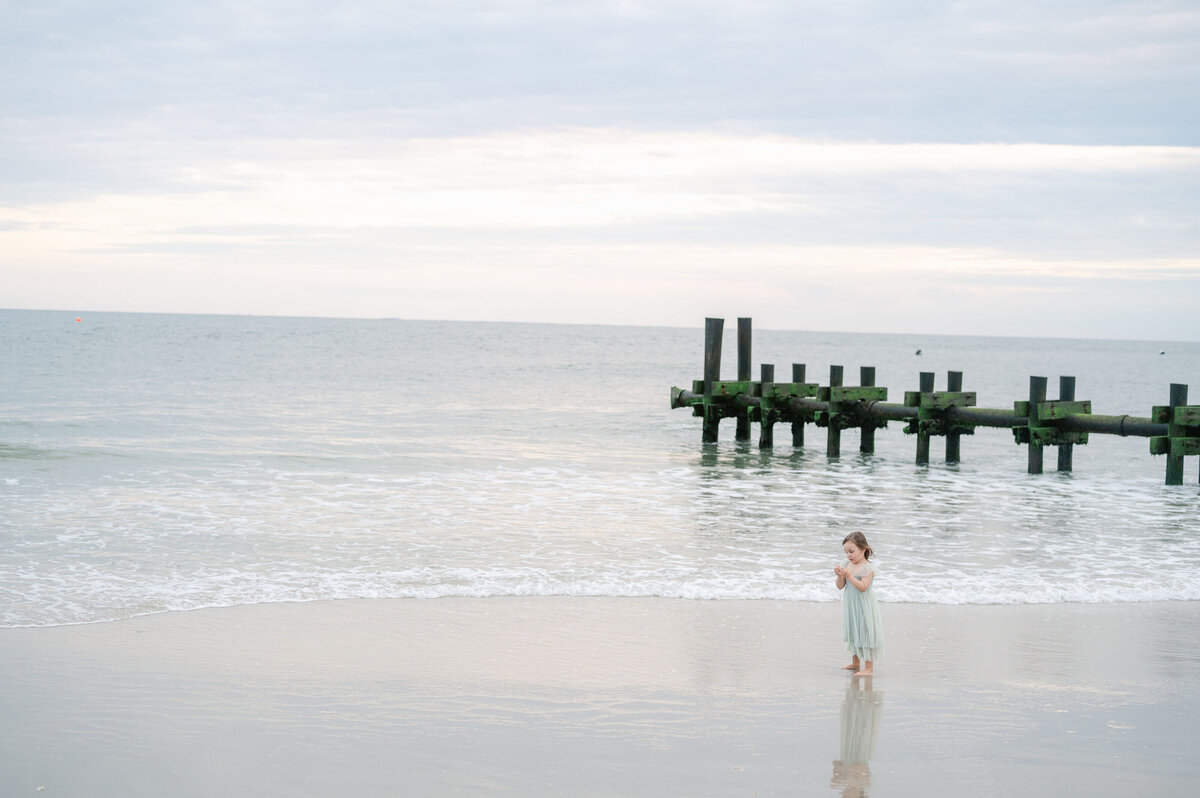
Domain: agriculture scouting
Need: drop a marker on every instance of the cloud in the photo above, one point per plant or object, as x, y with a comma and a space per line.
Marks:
1099, 72
610, 225
604, 185
619, 161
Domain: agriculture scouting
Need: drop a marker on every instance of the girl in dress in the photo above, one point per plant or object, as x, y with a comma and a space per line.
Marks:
862, 628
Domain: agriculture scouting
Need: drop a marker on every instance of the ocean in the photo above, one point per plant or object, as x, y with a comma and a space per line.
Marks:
153, 463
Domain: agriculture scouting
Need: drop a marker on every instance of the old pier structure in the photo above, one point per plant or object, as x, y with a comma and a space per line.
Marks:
1173, 429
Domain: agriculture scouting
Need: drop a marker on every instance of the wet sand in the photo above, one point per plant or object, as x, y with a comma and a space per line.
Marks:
600, 697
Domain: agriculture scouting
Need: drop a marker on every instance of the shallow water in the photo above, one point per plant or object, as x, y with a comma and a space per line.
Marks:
157, 462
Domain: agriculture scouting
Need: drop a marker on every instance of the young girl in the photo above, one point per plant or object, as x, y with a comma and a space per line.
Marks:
862, 628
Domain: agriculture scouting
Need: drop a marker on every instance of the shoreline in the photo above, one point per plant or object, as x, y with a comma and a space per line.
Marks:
602, 696
585, 597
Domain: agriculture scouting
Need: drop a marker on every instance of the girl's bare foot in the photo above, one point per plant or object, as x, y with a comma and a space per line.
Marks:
853, 666
868, 670
863, 673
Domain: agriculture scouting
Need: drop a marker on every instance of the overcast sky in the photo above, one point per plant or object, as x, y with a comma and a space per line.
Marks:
988, 168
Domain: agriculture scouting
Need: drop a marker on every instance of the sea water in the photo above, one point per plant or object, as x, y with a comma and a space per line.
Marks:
169, 462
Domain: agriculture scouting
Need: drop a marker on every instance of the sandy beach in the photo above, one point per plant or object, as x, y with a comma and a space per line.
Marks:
603, 696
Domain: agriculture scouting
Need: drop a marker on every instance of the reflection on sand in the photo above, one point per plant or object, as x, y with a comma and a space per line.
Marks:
861, 709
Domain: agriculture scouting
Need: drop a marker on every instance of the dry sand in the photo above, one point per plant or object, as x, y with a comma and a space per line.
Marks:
599, 696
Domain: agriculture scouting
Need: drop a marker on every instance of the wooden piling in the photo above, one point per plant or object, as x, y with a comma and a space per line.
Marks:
1179, 396
1172, 430
866, 379
923, 437
766, 424
743, 374
1037, 395
954, 383
798, 426
833, 437
1066, 451
713, 329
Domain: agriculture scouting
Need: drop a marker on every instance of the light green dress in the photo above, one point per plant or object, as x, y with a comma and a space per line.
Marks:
862, 628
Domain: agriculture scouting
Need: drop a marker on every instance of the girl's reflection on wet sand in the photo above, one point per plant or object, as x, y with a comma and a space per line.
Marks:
861, 709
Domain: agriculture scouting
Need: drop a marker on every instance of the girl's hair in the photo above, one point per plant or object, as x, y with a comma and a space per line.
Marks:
860, 540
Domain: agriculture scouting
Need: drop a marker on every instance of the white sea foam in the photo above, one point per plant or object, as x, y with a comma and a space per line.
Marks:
91, 594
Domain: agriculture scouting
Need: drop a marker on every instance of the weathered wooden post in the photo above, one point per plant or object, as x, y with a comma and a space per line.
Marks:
713, 329
1037, 395
1173, 430
1179, 397
1181, 438
1066, 393
743, 374
866, 379
766, 421
833, 438
923, 436
954, 383
798, 426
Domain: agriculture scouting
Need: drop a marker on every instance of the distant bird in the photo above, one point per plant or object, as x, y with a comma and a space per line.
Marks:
1163, 352
918, 351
